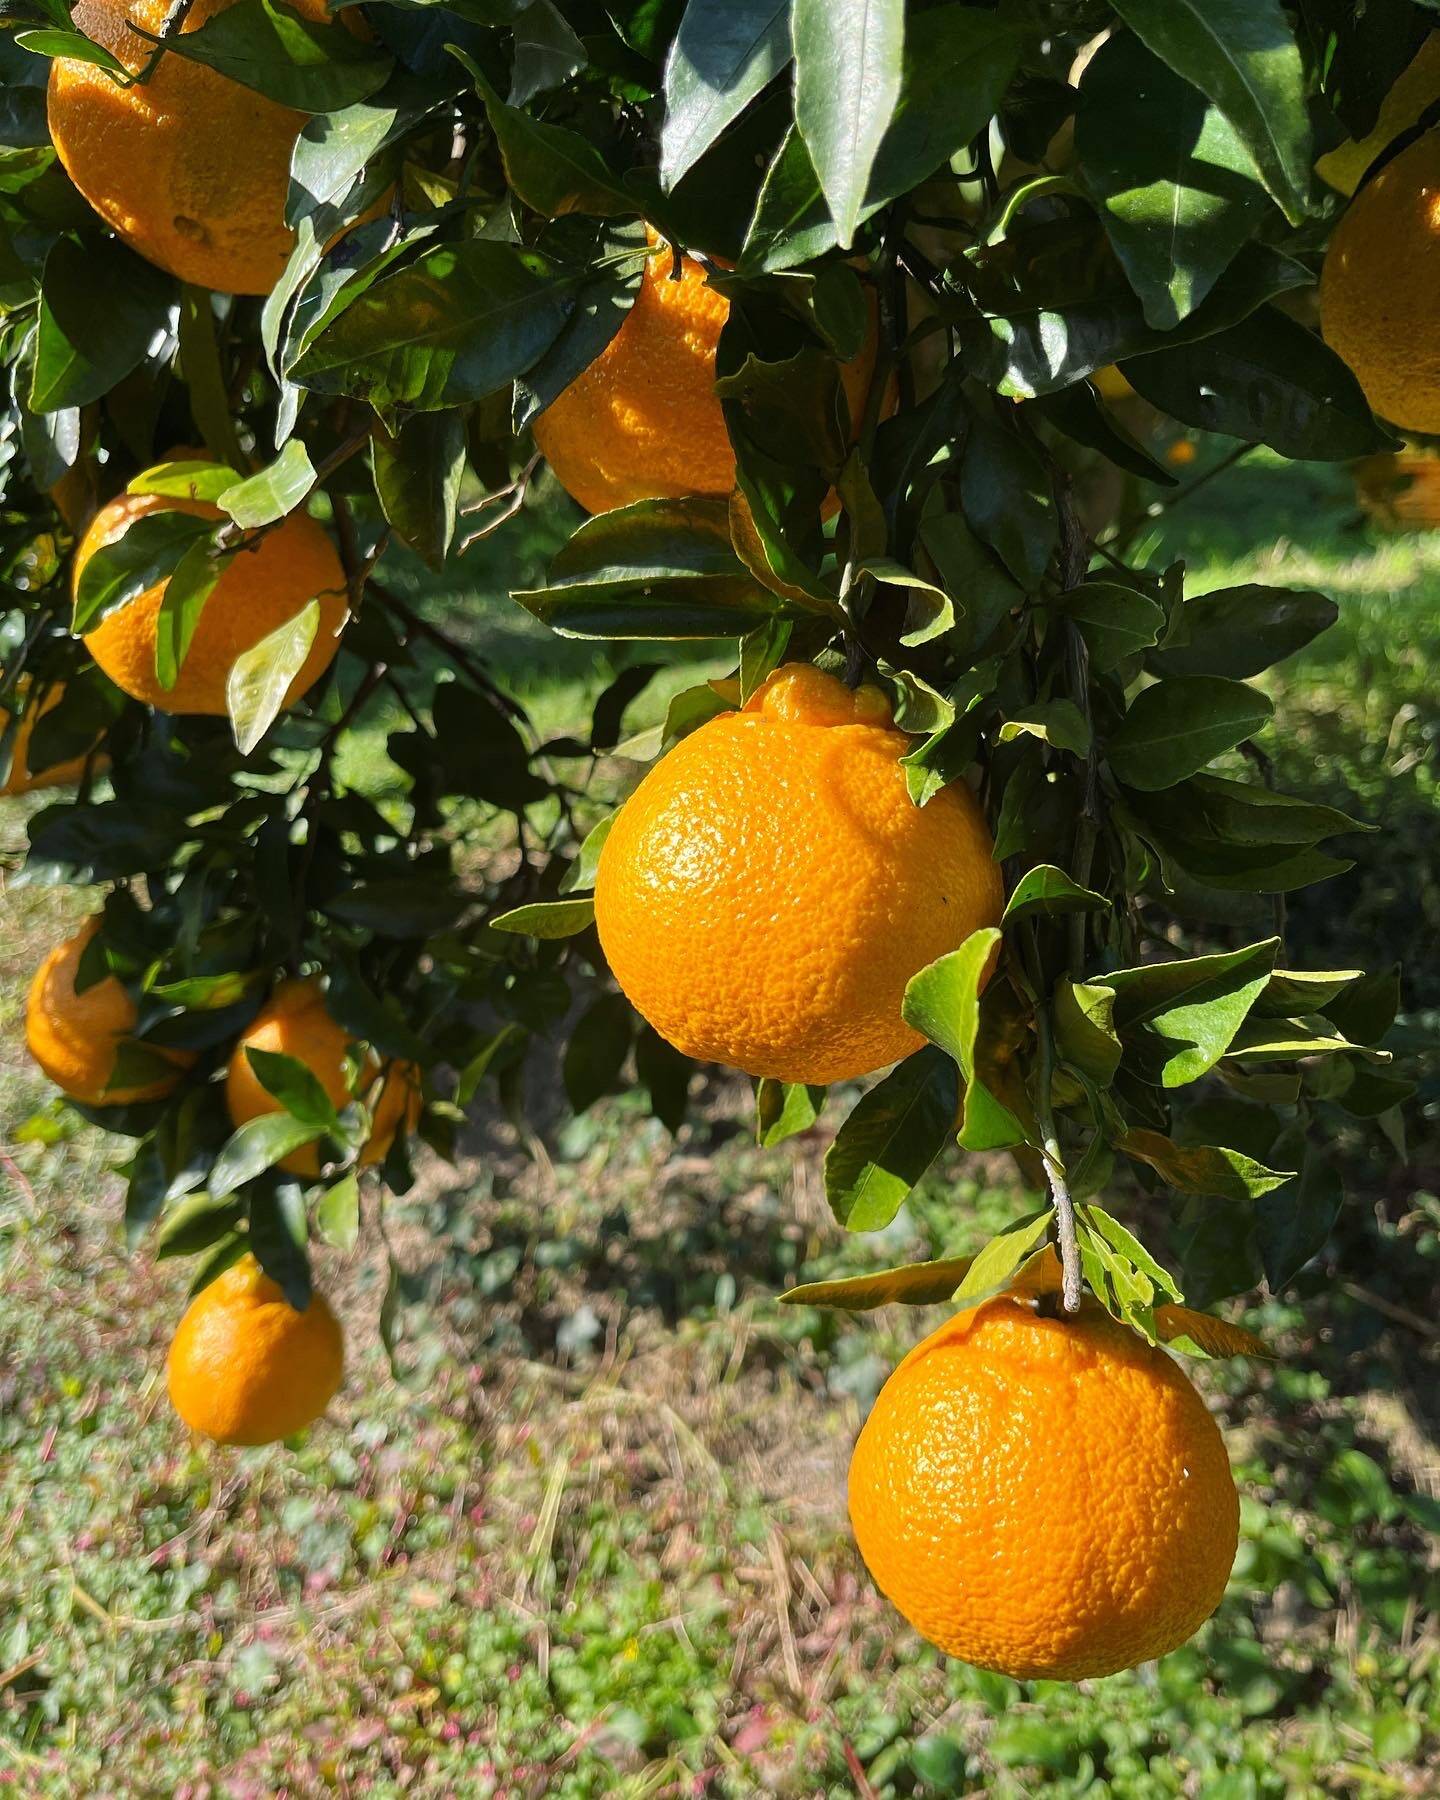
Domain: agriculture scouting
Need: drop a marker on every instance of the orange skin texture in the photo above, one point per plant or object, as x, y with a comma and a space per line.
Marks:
295, 1022
75, 1037
245, 1367
643, 422
1377, 289
1045, 1498
22, 779
190, 168
264, 586
769, 888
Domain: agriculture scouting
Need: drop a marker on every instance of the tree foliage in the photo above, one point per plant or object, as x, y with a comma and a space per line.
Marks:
1025, 194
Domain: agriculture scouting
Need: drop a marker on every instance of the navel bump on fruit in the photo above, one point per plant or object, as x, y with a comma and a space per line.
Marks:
643, 421
245, 1367
190, 168
266, 585
76, 1035
295, 1022
1378, 285
1047, 1497
769, 888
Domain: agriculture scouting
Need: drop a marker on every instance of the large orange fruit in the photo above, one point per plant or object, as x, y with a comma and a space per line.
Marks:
643, 421
295, 1022
769, 888
264, 586
189, 168
245, 1367
1045, 1497
22, 779
1377, 289
76, 1037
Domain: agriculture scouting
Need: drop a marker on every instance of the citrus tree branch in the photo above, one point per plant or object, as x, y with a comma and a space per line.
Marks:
1061, 1198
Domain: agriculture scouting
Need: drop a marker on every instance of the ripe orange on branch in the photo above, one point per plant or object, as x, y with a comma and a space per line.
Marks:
1377, 289
76, 1036
245, 1367
296, 1022
190, 168
1046, 1497
268, 583
769, 888
643, 421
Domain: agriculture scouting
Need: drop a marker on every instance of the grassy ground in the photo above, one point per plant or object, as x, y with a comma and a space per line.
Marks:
594, 1543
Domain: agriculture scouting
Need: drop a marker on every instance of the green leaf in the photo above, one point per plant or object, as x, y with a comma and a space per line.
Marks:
1115, 622
554, 170
1283, 1040
848, 64
1002, 1256
255, 1147
459, 323
279, 1229
186, 592
1084, 1015
1293, 1223
603, 298
1242, 54
657, 569
783, 1109
1176, 186
101, 306
74, 46
719, 60
417, 481
184, 480
548, 918
580, 876
912, 1284
272, 493
890, 1139
1179, 1018
1129, 1246
942, 1001
981, 592
294, 1086
596, 1052
1059, 723
270, 48
504, 1042
1080, 414
1292, 991
1367, 1009
199, 1221
260, 677
1048, 890
1202, 1168
147, 553
1007, 500
1241, 631
1177, 726
206, 380
337, 1215
1267, 381
664, 1072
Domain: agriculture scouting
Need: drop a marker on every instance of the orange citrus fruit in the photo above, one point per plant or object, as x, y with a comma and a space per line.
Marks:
245, 1367
296, 1022
1045, 1497
1416, 88
190, 168
1377, 289
643, 421
76, 1036
266, 585
769, 888
22, 779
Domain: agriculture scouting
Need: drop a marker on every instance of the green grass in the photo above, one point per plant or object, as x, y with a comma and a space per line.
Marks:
593, 1542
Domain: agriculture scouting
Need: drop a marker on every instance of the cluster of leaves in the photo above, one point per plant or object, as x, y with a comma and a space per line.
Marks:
1020, 195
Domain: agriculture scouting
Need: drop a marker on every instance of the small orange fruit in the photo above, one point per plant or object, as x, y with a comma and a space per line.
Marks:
1181, 453
190, 168
295, 1022
22, 779
1377, 288
76, 1037
644, 422
264, 586
245, 1367
769, 888
1048, 1498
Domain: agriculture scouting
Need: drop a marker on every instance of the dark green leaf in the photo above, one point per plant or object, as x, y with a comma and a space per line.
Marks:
1007, 500
1241, 631
100, 308
1114, 621
1294, 1222
1202, 1168
334, 147
148, 552
1179, 1018
294, 1086
1177, 726
596, 1053
265, 46
184, 599
848, 64
603, 300
199, 1221
417, 481
257, 1146
1050, 891
665, 1074
554, 170
721, 58
890, 1139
